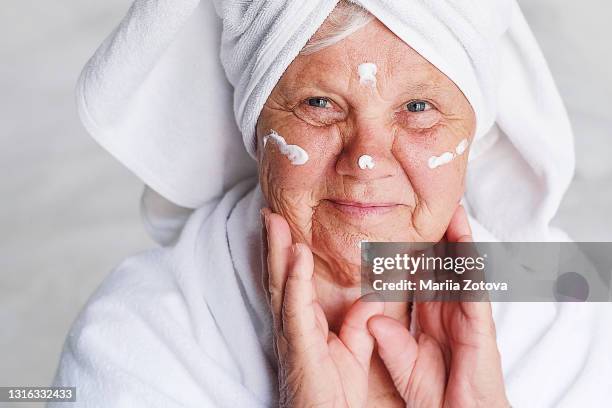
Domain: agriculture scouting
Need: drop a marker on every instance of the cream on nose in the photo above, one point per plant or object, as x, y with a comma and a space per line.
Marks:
365, 161
367, 151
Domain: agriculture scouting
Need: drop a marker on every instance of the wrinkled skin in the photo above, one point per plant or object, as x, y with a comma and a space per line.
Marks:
451, 361
351, 119
363, 120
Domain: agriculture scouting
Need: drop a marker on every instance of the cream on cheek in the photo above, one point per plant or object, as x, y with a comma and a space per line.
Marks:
430, 196
290, 182
447, 157
296, 154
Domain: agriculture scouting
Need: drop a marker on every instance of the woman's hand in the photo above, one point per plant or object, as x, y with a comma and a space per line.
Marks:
454, 360
316, 366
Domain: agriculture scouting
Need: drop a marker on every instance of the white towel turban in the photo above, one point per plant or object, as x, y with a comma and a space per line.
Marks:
156, 95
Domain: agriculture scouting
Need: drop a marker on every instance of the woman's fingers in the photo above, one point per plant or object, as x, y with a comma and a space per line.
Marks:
278, 260
459, 229
429, 373
290, 269
354, 332
397, 348
265, 277
460, 232
301, 320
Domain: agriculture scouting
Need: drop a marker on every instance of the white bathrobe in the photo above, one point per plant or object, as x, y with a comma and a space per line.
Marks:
188, 326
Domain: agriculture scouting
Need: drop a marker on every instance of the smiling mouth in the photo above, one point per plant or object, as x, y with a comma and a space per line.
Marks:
360, 209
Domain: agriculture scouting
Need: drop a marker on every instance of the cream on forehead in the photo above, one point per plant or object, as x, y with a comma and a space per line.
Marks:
447, 157
365, 162
367, 74
296, 155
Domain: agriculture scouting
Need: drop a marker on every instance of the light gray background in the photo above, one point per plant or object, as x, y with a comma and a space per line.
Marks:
70, 211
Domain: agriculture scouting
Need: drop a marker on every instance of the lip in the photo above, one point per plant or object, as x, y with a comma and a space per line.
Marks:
361, 209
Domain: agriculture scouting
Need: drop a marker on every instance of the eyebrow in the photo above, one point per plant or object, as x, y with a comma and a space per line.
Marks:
421, 87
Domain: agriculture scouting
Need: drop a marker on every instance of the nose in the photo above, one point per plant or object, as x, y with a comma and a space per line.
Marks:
367, 154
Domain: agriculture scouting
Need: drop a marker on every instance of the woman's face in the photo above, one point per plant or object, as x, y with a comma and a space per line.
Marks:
410, 116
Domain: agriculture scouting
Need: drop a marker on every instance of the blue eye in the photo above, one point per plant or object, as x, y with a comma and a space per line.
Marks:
417, 106
318, 102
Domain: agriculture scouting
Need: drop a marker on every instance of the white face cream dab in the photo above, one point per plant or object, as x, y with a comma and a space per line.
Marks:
437, 161
365, 162
447, 157
461, 147
296, 155
367, 74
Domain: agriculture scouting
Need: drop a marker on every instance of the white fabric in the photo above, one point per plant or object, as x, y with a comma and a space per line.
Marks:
171, 327
162, 219
155, 95
188, 326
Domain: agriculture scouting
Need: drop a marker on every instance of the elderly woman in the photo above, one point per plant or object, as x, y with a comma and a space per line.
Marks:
368, 122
